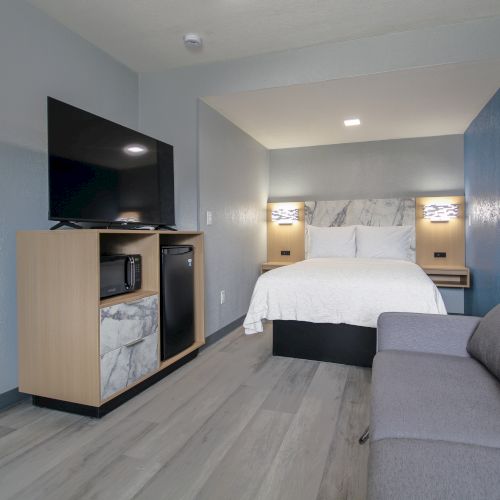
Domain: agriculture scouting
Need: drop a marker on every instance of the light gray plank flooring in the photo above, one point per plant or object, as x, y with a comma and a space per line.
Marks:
234, 424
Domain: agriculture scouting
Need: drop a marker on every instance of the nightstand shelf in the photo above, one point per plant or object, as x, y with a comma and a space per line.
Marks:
267, 266
449, 276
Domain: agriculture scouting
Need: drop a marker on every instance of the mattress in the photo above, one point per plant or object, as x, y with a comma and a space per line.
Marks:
341, 290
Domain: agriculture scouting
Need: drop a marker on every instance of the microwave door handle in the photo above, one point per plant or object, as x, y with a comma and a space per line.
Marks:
133, 273
130, 278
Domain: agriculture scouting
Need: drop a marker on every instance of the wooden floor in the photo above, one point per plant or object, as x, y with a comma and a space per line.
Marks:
235, 423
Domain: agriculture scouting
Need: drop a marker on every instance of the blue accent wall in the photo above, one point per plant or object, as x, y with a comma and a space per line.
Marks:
482, 194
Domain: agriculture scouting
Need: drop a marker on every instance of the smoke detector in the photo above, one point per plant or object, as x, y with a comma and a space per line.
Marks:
193, 41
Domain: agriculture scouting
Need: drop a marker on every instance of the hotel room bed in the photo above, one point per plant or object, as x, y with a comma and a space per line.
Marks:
327, 308
360, 262
354, 291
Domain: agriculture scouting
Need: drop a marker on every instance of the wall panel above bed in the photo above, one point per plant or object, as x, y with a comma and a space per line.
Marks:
368, 212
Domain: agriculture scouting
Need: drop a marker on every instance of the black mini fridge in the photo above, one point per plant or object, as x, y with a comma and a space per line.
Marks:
177, 299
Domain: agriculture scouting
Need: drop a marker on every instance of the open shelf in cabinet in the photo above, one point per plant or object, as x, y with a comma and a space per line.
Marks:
196, 241
145, 245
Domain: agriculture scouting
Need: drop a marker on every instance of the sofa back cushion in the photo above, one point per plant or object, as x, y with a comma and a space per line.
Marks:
484, 345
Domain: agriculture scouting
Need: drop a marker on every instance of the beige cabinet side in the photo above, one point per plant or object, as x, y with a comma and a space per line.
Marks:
58, 315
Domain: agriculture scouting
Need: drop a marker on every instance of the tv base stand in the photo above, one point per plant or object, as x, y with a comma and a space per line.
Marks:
65, 223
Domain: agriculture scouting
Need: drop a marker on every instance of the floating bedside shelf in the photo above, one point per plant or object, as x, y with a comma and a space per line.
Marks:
267, 266
449, 276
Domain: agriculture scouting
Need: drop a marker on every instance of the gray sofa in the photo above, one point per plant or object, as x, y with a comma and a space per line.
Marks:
435, 412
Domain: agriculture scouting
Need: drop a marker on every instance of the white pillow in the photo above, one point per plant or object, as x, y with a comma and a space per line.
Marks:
330, 242
384, 242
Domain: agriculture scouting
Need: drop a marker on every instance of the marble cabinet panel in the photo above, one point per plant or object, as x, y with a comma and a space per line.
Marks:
123, 366
128, 343
125, 322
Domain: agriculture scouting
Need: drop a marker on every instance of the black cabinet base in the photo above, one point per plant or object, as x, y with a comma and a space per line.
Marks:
100, 411
342, 343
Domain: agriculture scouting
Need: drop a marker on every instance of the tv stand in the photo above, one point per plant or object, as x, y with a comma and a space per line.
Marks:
81, 353
65, 223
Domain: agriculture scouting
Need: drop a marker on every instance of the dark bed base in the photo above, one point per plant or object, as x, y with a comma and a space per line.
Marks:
345, 344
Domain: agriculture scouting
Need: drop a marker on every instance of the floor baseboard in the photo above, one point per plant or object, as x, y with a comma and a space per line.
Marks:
11, 397
225, 330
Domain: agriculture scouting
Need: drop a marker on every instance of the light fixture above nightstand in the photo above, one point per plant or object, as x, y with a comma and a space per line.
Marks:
441, 212
283, 215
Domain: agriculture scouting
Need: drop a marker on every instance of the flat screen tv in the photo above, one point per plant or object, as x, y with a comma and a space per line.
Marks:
102, 172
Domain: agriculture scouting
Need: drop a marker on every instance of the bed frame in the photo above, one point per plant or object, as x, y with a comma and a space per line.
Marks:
341, 343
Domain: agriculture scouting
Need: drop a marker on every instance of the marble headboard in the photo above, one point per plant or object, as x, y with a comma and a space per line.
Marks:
370, 212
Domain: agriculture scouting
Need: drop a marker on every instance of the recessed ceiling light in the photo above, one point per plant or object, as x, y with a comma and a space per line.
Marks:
192, 41
135, 149
352, 122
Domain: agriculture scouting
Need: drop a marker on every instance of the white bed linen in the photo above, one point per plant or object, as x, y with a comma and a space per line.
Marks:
341, 290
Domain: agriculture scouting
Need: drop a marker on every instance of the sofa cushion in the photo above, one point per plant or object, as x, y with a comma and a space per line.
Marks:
484, 345
434, 396
428, 470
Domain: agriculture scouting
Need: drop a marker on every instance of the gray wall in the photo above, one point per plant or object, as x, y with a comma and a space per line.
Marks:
381, 169
39, 57
167, 104
234, 187
168, 99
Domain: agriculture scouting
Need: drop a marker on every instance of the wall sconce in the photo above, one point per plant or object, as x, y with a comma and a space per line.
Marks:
285, 215
441, 212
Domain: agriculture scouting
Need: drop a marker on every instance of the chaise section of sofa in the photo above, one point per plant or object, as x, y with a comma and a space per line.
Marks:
435, 412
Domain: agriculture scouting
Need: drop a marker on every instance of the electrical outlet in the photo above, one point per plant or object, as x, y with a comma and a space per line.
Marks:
285, 252
209, 218
222, 296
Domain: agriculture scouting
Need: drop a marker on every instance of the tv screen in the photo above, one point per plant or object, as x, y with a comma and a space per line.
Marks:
100, 171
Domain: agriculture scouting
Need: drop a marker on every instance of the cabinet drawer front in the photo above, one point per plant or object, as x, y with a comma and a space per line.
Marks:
123, 366
123, 323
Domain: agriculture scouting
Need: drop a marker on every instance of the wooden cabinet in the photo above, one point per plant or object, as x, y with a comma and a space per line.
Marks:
81, 353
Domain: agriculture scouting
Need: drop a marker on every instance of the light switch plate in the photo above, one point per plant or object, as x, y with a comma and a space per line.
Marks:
209, 218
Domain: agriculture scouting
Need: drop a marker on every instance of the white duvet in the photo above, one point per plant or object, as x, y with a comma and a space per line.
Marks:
341, 290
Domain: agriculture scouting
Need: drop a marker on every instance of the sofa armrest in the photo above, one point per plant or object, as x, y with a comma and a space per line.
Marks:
432, 333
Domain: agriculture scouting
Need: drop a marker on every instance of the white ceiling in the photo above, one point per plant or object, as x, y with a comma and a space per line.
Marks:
440, 100
146, 35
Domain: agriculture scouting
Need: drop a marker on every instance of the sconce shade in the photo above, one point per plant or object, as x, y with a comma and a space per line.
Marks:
441, 212
285, 215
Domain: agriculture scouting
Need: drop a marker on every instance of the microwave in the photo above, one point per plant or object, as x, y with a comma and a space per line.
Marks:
120, 274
